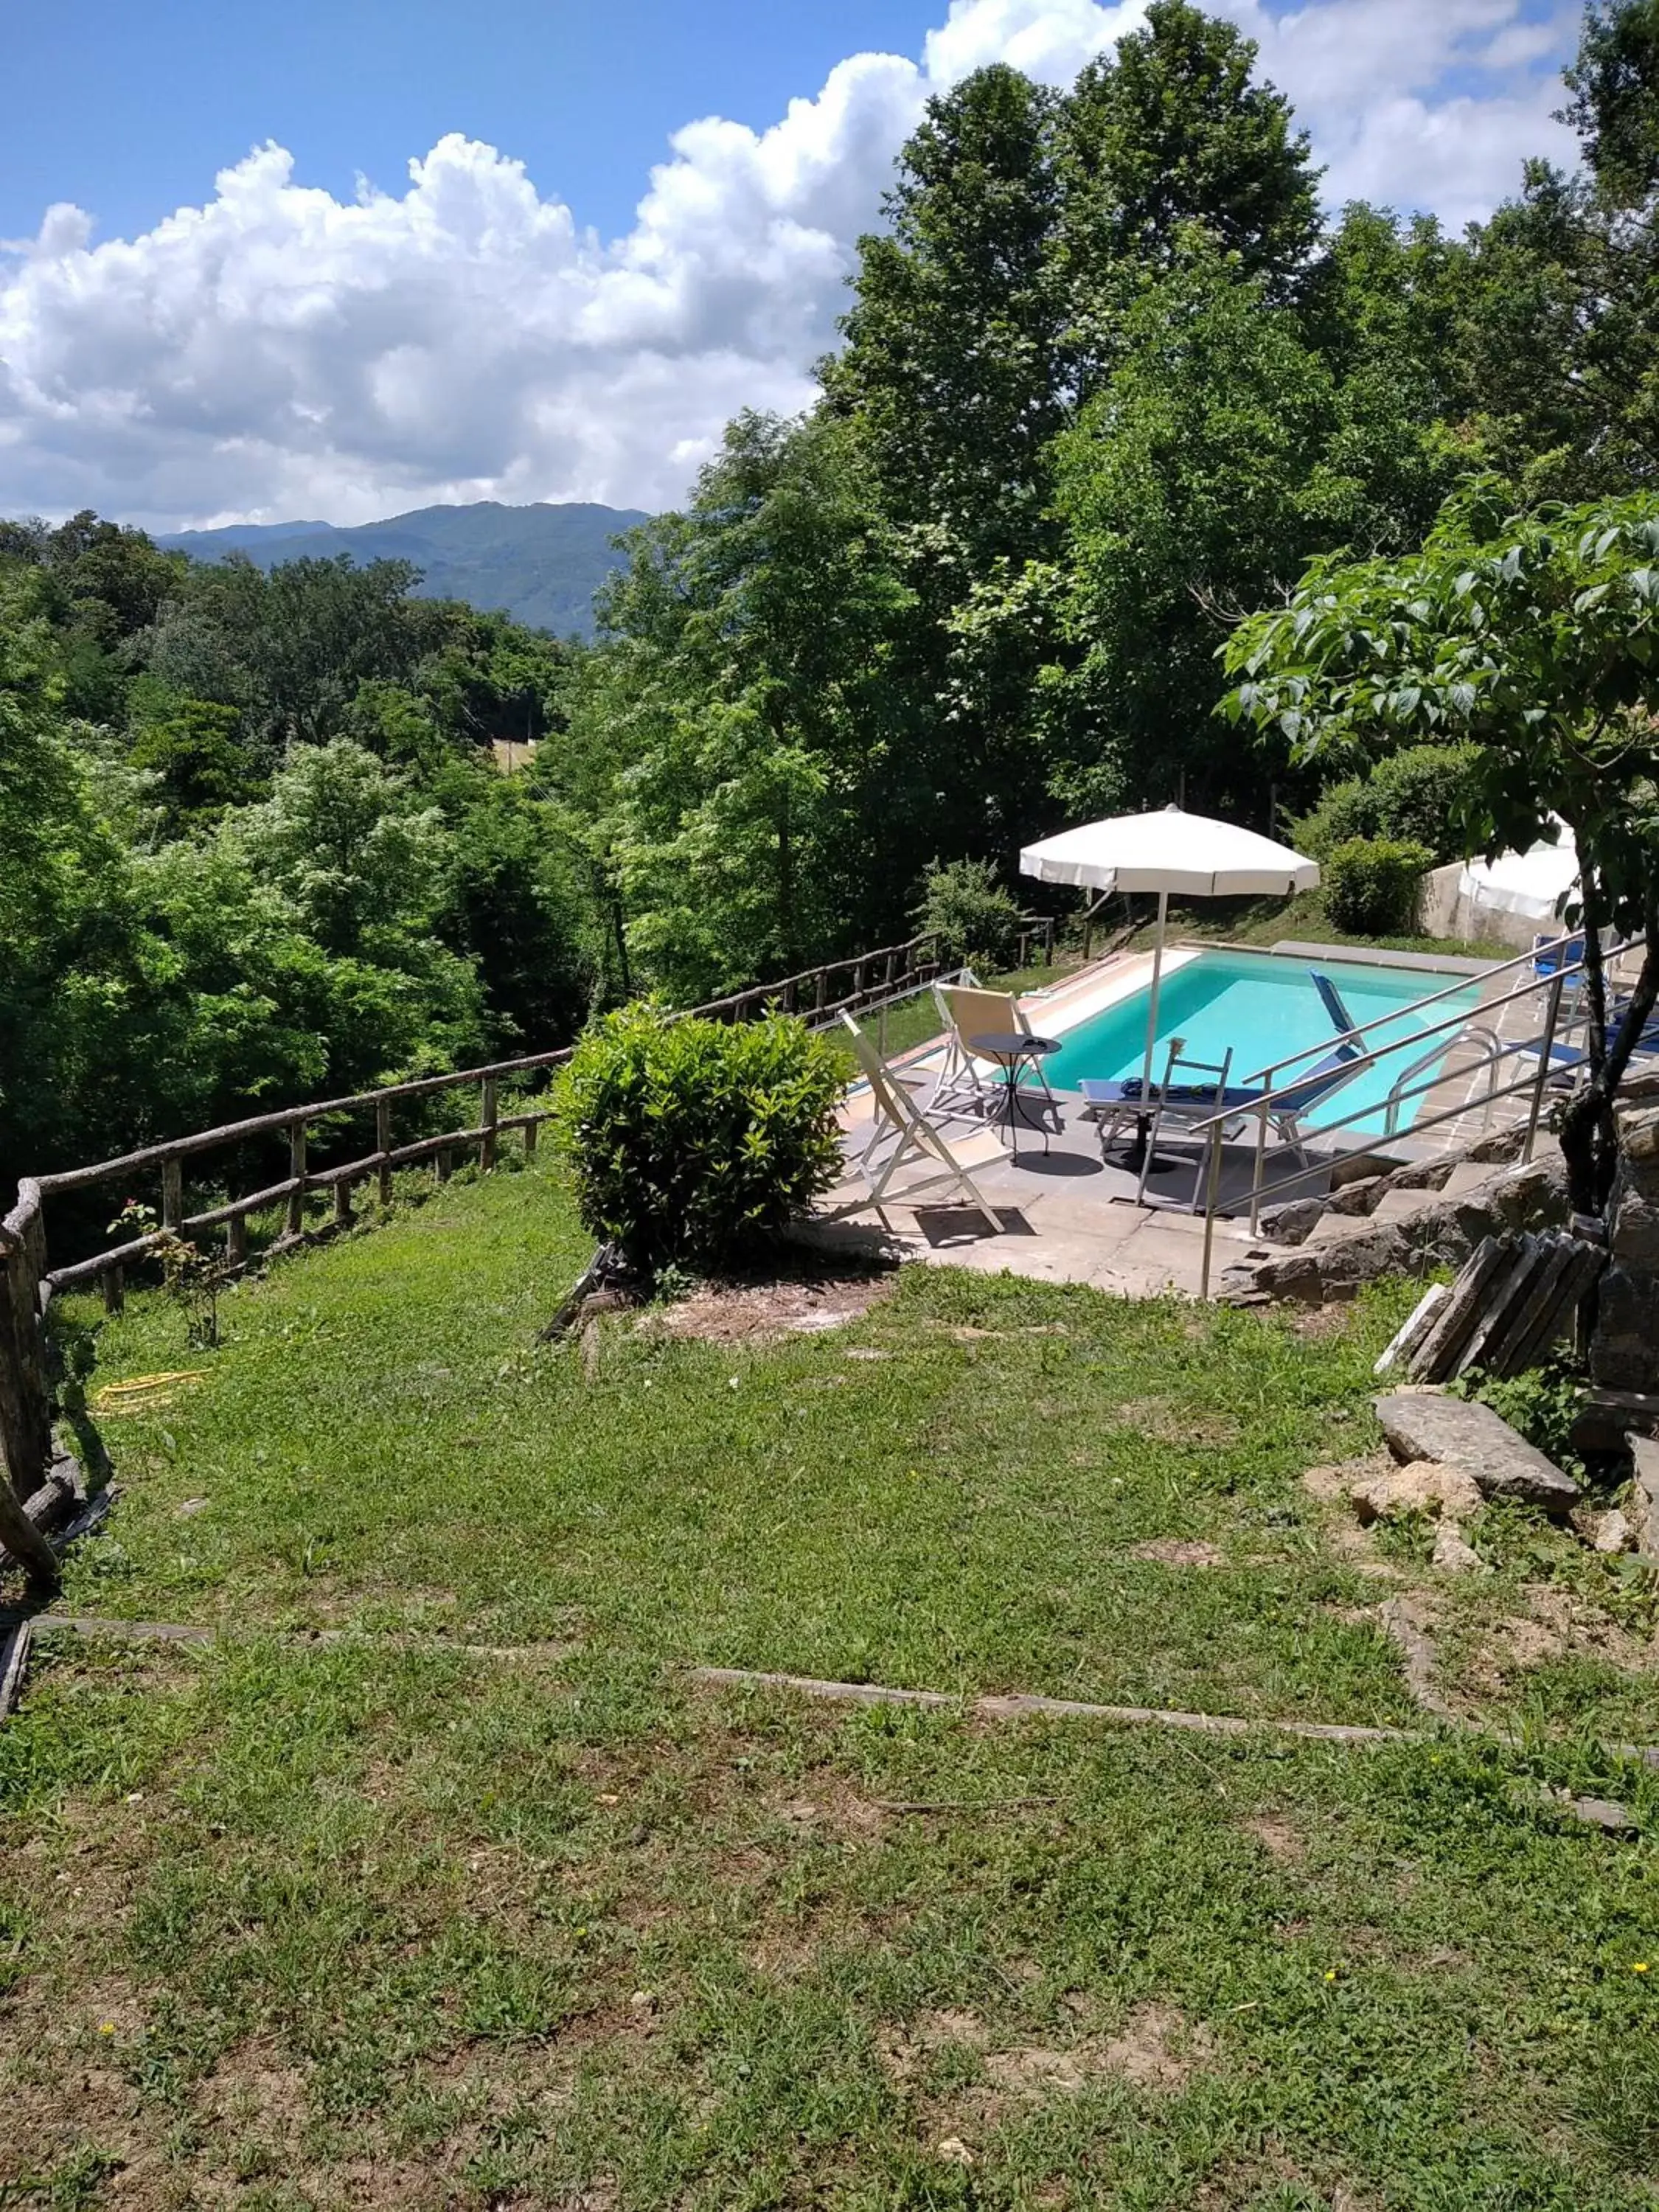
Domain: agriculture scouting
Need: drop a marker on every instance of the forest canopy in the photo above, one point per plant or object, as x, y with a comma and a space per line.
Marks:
1111, 377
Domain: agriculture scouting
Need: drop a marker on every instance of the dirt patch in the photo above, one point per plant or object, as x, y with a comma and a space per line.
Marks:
1332, 1482
1279, 1837
905, 2051
1161, 1421
1176, 1552
1156, 2048
835, 1809
749, 1312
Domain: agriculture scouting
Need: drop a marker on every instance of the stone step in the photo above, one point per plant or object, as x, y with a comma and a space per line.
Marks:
1467, 1175
1404, 1205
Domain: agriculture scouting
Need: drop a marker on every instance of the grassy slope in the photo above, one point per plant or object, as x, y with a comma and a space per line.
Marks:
1266, 922
379, 1925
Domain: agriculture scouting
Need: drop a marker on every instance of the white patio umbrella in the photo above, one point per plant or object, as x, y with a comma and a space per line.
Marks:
1189, 854
1532, 884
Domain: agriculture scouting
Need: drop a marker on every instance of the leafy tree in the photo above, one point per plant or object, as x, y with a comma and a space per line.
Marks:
1167, 133
1219, 455
291, 649
1614, 107
1534, 638
951, 356
1562, 316
347, 846
974, 916
87, 998
199, 766
735, 742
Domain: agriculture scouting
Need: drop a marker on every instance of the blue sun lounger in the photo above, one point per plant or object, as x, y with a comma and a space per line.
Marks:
1341, 1020
1109, 1103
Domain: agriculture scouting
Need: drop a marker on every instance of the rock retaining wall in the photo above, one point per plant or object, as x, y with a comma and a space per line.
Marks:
1624, 1349
1429, 1214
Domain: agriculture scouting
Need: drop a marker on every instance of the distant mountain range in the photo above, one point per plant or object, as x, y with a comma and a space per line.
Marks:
541, 563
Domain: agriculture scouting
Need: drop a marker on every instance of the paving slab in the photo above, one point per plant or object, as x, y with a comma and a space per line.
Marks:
1421, 1425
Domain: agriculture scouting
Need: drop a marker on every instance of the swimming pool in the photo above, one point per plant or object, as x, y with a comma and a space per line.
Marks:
1264, 1007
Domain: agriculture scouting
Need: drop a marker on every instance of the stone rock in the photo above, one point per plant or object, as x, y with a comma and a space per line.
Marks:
1290, 1223
1359, 1197
1635, 1240
1605, 1813
1472, 1437
1614, 1533
1533, 1195
1423, 1487
1358, 1167
1297, 1276
1638, 1134
1453, 1555
1422, 1175
1501, 1144
1622, 1354
1355, 1252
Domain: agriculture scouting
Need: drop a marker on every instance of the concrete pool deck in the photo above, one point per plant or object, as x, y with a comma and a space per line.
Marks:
1072, 1215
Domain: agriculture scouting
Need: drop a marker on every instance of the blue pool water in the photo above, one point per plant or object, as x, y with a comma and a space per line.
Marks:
1265, 1007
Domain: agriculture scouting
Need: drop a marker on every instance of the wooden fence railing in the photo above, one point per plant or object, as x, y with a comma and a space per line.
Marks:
27, 1282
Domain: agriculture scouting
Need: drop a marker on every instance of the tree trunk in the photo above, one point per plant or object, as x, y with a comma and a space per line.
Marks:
1590, 1128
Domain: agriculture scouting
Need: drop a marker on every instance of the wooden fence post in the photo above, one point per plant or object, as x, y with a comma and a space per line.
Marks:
343, 1203
236, 1241
25, 1386
383, 1145
296, 1168
487, 1113
530, 1133
172, 1194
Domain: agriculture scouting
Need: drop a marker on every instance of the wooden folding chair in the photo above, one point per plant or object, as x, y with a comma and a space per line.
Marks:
971, 1011
915, 1137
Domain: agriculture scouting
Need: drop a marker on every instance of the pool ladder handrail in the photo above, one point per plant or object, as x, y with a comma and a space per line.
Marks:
1491, 1053
1549, 987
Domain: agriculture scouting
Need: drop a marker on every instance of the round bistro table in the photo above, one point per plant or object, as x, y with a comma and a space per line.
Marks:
1014, 1049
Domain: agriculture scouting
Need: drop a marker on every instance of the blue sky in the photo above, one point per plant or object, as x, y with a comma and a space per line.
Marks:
343, 259
130, 110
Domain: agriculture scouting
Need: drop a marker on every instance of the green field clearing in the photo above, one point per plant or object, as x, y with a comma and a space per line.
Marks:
377, 1921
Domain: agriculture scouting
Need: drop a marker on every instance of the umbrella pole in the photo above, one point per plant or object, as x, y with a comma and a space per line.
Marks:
1135, 1158
1157, 978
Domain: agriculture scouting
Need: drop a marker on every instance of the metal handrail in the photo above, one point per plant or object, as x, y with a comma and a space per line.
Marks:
1286, 1183
1491, 1055
1435, 998
1264, 1107
1274, 1096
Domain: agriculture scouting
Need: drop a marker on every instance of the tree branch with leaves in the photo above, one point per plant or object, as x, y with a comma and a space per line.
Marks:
1536, 636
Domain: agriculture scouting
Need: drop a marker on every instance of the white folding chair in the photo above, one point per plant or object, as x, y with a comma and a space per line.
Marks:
913, 1138
971, 1011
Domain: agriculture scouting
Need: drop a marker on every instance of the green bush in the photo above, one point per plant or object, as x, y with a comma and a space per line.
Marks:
694, 1142
975, 919
1415, 795
1370, 885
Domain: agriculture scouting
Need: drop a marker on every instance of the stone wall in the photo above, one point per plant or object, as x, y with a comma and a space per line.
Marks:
1625, 1350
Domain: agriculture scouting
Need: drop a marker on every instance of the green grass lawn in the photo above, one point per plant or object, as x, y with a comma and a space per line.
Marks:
916, 1021
1268, 921
289, 1924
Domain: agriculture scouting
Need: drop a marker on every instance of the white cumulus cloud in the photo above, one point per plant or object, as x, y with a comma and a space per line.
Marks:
278, 352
